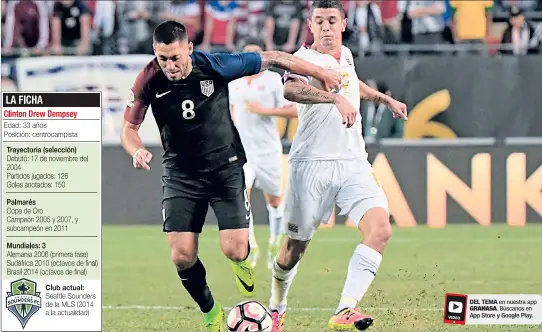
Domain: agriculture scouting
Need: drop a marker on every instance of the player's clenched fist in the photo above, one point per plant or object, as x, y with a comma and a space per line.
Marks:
348, 112
141, 159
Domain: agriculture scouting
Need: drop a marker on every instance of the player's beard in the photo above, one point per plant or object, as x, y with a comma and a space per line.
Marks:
181, 73
185, 69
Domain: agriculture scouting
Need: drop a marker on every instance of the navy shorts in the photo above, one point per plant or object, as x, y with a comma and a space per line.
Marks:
186, 199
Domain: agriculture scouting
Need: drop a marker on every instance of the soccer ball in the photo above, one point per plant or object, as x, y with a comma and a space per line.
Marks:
249, 316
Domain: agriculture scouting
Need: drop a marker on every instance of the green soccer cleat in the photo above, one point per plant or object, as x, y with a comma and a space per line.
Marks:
244, 277
214, 319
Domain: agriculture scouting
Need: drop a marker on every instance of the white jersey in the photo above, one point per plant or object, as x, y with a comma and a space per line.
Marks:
320, 133
258, 133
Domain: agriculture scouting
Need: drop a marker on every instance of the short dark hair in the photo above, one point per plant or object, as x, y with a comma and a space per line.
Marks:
169, 32
328, 4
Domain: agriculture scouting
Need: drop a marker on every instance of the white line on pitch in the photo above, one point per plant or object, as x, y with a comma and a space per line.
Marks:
143, 307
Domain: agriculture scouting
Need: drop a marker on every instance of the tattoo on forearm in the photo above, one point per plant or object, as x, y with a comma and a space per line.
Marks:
376, 99
277, 59
368, 94
307, 94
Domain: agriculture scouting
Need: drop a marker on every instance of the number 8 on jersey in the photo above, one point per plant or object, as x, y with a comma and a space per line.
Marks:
188, 109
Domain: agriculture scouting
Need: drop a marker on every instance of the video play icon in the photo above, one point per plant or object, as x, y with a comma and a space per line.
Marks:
455, 309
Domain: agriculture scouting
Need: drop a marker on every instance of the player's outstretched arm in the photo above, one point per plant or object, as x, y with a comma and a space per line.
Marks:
330, 80
297, 90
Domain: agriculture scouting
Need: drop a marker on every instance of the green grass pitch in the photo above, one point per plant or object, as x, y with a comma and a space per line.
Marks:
141, 290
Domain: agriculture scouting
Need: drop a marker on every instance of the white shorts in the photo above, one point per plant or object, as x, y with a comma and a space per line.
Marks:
315, 186
265, 174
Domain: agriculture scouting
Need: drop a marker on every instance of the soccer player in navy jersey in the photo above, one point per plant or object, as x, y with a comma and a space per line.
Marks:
203, 156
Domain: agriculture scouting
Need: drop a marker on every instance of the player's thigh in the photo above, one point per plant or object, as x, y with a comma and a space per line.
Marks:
269, 175
361, 191
228, 198
309, 198
182, 212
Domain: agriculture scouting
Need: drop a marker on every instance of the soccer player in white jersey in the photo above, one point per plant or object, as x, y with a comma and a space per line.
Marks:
255, 102
328, 163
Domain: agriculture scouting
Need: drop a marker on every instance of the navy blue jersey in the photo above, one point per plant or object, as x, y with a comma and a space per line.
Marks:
196, 129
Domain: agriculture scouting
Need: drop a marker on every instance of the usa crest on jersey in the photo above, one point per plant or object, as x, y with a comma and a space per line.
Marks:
207, 87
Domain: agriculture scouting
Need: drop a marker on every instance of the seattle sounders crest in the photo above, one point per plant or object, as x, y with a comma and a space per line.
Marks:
23, 301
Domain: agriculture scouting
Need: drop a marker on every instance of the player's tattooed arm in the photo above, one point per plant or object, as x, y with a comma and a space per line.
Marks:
369, 94
276, 59
398, 109
330, 80
296, 90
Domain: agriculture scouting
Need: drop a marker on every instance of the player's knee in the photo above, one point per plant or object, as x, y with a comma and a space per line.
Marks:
376, 228
383, 231
184, 258
236, 250
234, 243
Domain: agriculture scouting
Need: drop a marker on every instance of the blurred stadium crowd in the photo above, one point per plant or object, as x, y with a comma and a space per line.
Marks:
105, 27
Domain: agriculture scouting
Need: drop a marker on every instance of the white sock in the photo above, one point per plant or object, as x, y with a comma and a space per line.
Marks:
275, 222
361, 272
251, 237
280, 284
